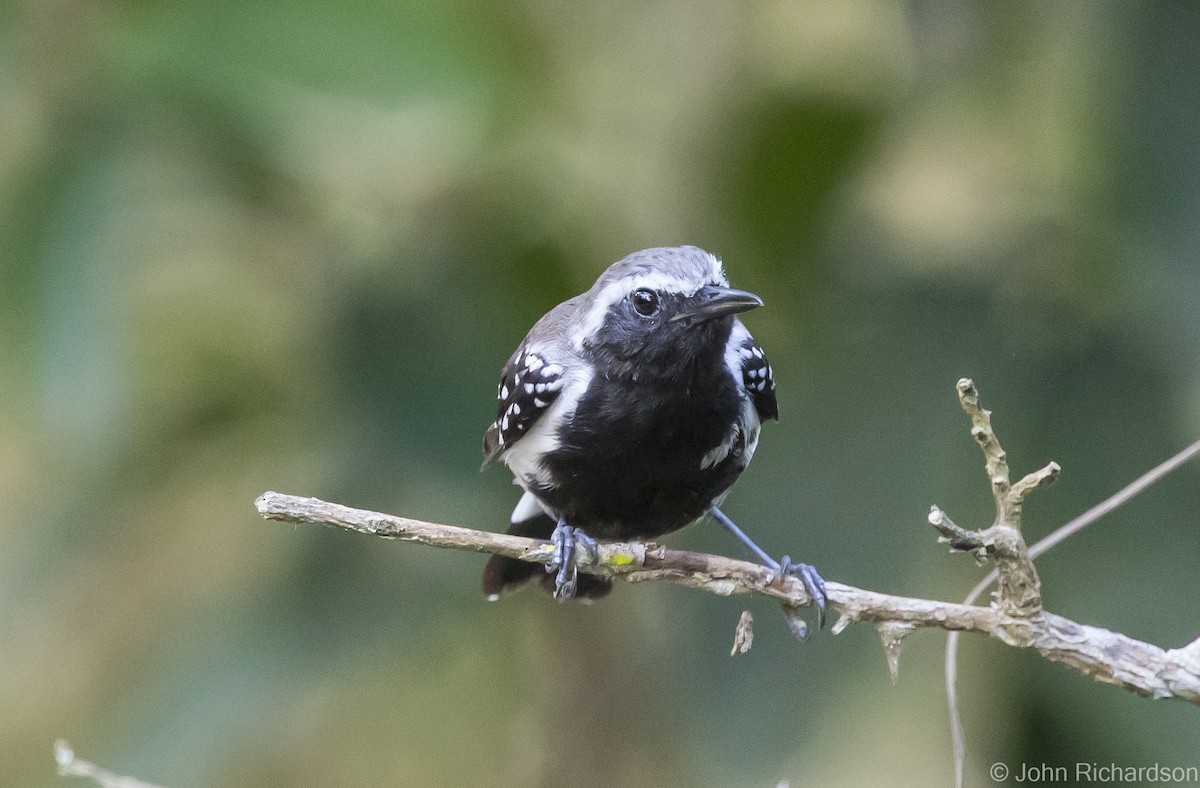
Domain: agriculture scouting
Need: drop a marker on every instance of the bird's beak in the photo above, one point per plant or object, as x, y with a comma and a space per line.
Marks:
713, 301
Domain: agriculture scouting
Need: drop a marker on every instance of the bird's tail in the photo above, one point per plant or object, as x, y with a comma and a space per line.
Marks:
504, 574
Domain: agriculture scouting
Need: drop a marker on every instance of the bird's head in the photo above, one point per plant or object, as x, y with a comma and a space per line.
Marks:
660, 310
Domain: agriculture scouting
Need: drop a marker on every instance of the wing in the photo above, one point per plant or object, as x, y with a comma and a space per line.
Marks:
529, 383
758, 378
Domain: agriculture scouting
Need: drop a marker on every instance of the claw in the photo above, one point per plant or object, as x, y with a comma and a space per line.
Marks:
564, 561
814, 584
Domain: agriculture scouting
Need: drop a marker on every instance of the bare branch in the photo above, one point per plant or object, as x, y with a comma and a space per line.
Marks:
1017, 618
978, 543
1107, 656
1020, 587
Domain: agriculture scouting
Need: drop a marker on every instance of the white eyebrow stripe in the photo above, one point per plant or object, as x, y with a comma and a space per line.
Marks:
615, 291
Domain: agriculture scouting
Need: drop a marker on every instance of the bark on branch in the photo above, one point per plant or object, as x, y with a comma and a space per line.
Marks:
1106, 656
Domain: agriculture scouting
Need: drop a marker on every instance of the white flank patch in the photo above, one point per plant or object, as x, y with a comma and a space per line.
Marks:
752, 442
722, 449
527, 508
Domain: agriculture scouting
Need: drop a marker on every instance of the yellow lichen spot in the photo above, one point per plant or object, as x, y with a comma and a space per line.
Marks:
620, 559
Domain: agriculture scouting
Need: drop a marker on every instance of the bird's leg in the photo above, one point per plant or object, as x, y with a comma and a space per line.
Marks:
740, 535
564, 560
813, 583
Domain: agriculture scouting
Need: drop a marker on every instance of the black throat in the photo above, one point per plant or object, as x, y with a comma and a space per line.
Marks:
630, 461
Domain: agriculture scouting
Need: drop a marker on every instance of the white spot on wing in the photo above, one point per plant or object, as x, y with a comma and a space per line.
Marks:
524, 459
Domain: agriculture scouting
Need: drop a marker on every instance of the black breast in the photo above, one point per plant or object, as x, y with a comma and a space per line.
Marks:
629, 462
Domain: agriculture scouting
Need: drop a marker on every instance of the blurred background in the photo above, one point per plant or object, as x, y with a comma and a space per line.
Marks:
249, 246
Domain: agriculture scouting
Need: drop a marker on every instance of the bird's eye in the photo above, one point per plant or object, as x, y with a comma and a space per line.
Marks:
645, 302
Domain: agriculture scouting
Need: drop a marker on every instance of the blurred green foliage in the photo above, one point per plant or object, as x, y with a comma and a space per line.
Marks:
250, 246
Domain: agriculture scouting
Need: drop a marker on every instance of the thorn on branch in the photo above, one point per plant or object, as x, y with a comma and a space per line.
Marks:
743, 635
845, 619
892, 634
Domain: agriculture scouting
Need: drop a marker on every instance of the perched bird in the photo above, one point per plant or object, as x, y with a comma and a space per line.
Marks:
628, 412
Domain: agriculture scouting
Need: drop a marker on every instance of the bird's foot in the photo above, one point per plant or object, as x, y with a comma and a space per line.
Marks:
814, 584
564, 561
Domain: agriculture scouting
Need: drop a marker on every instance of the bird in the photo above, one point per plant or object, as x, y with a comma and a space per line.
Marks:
628, 412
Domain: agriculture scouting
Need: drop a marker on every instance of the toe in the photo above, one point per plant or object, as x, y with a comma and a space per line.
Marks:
815, 586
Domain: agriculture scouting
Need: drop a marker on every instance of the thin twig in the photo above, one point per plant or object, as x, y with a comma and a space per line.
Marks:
70, 766
1114, 502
